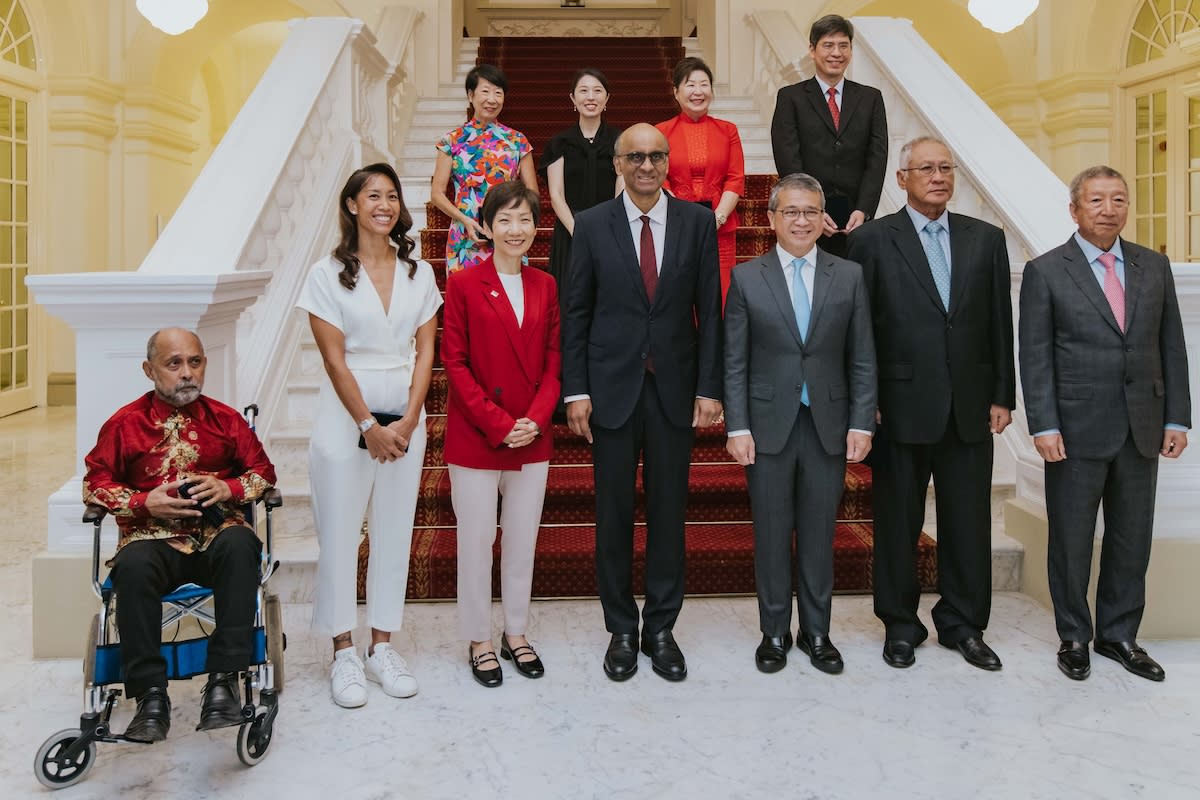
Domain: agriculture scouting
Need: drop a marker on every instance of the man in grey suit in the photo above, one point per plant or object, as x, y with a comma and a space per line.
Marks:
799, 402
1105, 376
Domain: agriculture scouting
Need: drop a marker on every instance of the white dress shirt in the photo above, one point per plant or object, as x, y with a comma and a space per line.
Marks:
825, 87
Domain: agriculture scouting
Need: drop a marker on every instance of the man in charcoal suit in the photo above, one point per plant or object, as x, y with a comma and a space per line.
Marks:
835, 130
1105, 376
799, 403
642, 369
940, 298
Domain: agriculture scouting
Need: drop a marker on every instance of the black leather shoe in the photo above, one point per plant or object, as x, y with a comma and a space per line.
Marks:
665, 656
899, 653
530, 668
221, 707
153, 717
1074, 661
1133, 658
976, 652
771, 654
821, 652
620, 662
484, 674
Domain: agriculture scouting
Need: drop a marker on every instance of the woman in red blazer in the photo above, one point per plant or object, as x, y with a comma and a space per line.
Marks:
500, 347
707, 165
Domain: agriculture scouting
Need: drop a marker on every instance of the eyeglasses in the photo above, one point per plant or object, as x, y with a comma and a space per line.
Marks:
792, 214
657, 158
927, 170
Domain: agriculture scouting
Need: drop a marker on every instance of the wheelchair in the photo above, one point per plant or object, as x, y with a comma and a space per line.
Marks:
67, 756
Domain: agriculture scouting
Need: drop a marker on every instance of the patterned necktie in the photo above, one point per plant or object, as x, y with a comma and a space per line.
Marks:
1114, 292
931, 240
833, 108
646, 259
803, 310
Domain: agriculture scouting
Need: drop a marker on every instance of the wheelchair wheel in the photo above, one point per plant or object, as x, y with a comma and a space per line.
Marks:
254, 738
89, 651
55, 772
276, 639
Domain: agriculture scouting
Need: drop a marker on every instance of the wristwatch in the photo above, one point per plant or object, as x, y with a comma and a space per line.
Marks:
366, 424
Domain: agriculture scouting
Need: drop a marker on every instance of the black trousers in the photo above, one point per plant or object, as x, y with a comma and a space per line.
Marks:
962, 476
666, 453
144, 571
1075, 489
795, 490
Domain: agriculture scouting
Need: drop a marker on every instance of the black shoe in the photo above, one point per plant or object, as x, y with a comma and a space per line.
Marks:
771, 654
899, 653
665, 656
153, 717
490, 677
221, 707
821, 652
976, 652
531, 668
620, 662
1074, 661
1133, 658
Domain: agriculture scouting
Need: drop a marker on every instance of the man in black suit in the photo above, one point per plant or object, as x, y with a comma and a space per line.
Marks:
641, 369
940, 298
1105, 374
799, 403
835, 130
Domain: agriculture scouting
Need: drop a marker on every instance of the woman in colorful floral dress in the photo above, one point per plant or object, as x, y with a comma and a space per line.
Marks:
477, 156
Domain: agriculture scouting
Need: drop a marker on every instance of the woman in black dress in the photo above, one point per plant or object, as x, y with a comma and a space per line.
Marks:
578, 164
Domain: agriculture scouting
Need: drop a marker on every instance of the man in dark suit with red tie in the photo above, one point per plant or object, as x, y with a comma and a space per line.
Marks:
1105, 374
835, 130
641, 369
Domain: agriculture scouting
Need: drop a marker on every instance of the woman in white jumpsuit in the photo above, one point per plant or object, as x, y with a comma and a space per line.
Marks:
373, 312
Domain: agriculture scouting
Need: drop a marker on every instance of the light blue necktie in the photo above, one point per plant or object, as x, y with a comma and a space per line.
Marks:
931, 240
803, 310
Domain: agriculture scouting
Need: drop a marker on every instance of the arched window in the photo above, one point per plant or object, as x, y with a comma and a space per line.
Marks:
16, 37
1155, 27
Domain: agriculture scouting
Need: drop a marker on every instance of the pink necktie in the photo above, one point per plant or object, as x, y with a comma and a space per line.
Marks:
1114, 292
833, 108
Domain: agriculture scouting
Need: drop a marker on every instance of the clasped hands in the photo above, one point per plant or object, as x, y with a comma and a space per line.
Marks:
388, 442
524, 431
164, 502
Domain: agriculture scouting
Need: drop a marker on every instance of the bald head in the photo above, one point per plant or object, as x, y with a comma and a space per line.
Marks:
643, 181
175, 362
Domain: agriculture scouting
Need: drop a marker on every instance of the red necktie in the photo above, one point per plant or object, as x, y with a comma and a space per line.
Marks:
833, 108
1113, 291
646, 259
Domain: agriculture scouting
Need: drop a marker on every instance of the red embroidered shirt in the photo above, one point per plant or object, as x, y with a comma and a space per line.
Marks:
150, 442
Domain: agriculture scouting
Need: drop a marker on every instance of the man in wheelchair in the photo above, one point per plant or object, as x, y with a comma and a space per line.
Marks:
174, 468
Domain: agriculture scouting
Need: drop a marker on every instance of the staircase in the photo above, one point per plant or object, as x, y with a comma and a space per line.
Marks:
719, 533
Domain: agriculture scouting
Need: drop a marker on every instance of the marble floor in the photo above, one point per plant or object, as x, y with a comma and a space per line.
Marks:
939, 730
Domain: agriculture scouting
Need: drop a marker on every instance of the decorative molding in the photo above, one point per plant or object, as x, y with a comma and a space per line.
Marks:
541, 26
1080, 119
1076, 83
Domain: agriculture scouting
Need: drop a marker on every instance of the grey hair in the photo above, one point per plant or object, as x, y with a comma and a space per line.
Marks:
1098, 171
800, 181
906, 150
152, 342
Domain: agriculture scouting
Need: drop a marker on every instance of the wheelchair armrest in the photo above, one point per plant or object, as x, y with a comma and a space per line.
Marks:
272, 498
93, 513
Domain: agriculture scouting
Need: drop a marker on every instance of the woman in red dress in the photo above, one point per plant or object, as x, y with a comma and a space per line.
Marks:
707, 165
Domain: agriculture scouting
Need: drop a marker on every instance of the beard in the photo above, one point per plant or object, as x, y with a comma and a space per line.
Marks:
183, 393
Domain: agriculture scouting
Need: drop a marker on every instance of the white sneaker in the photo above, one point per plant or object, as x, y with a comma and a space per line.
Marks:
389, 669
349, 688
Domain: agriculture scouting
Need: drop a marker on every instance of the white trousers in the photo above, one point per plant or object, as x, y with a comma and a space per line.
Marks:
474, 492
346, 485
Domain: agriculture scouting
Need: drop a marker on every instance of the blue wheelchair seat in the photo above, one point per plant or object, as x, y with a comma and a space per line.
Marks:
184, 593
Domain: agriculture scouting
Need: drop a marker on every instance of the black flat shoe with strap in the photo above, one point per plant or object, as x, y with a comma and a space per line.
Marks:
531, 668
490, 677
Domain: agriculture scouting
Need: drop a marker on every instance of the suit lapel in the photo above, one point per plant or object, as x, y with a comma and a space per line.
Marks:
670, 247
772, 272
495, 296
851, 97
904, 234
627, 254
531, 336
1081, 272
820, 103
822, 282
1133, 284
962, 239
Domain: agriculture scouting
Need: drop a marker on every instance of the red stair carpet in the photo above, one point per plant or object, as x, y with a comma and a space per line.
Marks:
719, 534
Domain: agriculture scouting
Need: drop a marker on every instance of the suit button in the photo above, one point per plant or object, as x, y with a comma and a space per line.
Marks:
1129, 381
643, 356
799, 387
1128, 349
